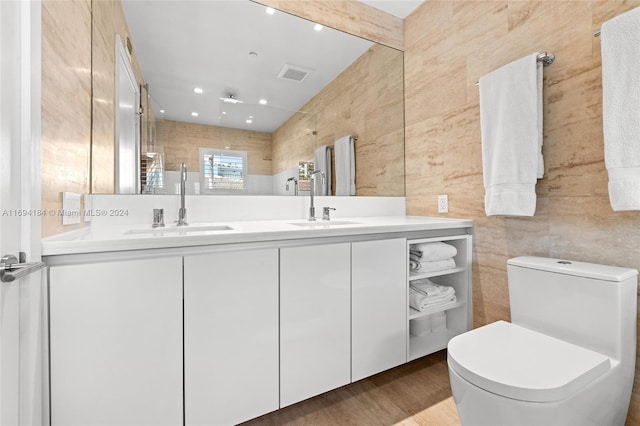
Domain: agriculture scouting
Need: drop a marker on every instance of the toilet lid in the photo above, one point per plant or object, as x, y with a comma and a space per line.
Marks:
522, 364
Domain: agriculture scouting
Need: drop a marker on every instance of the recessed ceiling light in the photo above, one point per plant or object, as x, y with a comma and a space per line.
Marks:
249, 121
194, 114
227, 147
254, 54
161, 111
231, 99
262, 101
224, 112
270, 11
317, 27
251, 116
198, 90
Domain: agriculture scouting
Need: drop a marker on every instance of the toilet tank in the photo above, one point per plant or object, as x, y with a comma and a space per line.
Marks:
594, 306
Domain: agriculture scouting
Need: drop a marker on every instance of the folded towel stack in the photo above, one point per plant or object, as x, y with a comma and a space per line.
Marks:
425, 294
431, 257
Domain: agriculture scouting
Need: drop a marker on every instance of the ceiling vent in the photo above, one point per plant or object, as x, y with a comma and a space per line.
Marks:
294, 72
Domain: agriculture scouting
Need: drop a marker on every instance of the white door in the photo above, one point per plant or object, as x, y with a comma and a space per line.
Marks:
230, 336
315, 334
127, 125
116, 343
22, 301
378, 306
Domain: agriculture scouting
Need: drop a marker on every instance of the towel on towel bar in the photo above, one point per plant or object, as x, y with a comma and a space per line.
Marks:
433, 251
511, 127
620, 37
345, 166
323, 162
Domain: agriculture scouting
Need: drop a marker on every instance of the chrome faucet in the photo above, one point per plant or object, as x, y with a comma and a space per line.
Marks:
295, 182
182, 212
326, 213
158, 218
312, 209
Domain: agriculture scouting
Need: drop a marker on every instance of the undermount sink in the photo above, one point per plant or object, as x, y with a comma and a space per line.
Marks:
188, 229
324, 223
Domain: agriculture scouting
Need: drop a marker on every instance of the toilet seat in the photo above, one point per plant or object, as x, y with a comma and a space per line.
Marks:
518, 363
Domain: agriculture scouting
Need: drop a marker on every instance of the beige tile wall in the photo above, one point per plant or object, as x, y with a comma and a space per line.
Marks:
346, 15
66, 105
448, 46
353, 103
182, 141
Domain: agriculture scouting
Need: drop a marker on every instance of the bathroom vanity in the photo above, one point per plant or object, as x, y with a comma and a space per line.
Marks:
220, 323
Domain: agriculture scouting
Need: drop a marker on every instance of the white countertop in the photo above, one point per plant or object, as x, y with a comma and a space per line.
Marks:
129, 237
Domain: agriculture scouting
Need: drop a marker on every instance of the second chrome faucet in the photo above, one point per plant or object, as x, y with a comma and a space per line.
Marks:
312, 209
182, 212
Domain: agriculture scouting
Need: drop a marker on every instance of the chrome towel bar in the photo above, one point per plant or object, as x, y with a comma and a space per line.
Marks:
544, 57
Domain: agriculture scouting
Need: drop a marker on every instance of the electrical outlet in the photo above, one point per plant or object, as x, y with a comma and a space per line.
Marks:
443, 203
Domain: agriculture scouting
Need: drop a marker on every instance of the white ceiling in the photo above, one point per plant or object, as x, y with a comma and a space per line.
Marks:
399, 8
185, 44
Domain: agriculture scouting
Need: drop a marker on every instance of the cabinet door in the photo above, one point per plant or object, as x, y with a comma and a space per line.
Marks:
231, 336
379, 306
314, 320
116, 343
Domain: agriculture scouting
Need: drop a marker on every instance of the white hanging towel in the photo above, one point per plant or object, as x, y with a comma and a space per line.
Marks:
620, 38
323, 162
511, 125
345, 166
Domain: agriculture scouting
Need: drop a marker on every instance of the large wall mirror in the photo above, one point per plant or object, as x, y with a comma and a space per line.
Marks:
244, 95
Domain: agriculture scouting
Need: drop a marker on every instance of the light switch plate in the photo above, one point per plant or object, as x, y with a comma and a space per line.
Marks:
70, 208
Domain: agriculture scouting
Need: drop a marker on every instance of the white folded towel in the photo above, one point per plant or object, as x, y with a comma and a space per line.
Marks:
433, 251
436, 265
511, 125
345, 166
620, 38
323, 162
420, 302
431, 289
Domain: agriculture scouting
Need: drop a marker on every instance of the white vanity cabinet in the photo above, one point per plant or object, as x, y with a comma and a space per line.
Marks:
220, 328
230, 336
116, 343
378, 306
315, 332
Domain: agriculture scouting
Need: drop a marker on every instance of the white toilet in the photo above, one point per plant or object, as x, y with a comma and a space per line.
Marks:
568, 356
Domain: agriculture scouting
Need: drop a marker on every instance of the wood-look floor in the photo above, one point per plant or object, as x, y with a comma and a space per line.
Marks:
417, 393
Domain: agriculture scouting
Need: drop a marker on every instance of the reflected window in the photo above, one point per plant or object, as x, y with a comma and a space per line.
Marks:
223, 171
152, 172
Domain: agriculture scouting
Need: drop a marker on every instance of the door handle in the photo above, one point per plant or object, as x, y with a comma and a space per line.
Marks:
11, 269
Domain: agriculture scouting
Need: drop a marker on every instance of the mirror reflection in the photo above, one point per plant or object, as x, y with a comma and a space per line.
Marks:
243, 97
